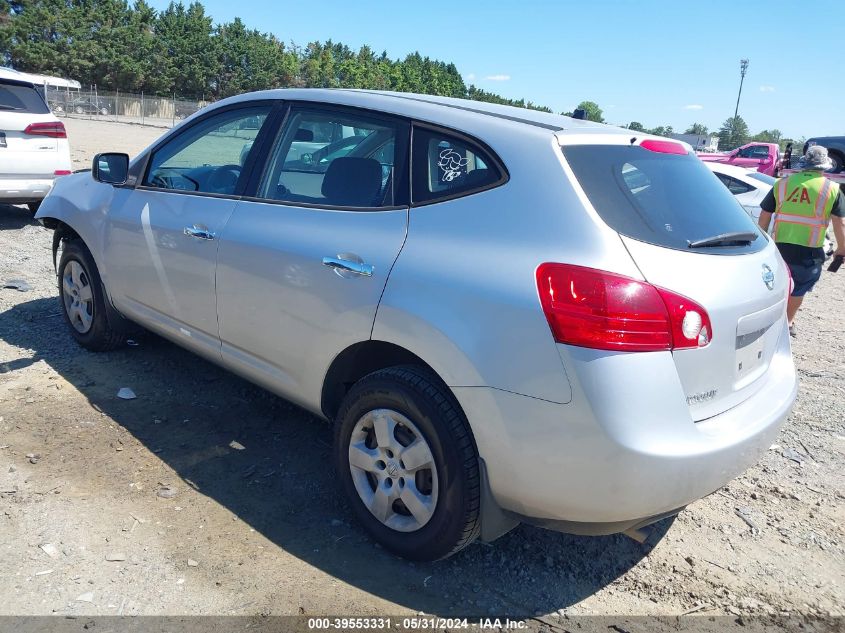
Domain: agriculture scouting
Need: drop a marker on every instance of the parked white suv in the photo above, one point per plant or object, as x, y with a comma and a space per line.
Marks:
34, 150
509, 315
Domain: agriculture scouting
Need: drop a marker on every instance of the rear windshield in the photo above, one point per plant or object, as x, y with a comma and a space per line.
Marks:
664, 199
21, 98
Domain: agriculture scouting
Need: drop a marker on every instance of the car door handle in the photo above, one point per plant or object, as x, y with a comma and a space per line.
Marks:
347, 265
200, 232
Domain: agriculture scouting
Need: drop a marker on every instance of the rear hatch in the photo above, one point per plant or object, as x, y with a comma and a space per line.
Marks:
29, 133
687, 234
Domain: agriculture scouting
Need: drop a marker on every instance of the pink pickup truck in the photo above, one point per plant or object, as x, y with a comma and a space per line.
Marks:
764, 157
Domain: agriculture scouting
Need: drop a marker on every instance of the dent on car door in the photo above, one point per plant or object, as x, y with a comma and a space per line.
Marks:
303, 263
161, 242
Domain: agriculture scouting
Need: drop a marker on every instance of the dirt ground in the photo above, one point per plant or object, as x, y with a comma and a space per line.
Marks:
207, 495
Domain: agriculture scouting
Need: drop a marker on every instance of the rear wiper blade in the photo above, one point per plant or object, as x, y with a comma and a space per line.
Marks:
737, 238
8, 107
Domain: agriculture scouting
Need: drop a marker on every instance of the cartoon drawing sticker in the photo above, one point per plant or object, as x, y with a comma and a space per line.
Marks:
451, 163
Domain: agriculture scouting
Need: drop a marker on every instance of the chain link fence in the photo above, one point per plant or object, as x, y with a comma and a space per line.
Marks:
121, 107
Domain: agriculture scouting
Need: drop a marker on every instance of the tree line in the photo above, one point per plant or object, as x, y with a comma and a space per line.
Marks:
179, 51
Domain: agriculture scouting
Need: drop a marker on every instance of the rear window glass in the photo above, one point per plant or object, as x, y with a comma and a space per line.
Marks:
664, 199
18, 98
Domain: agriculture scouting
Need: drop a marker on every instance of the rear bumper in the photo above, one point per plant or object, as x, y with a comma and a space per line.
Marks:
625, 449
14, 191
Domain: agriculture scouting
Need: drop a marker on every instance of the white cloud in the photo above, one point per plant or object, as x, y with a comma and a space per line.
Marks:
767, 88
693, 106
498, 77
471, 77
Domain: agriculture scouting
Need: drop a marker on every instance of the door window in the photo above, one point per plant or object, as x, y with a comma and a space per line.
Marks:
446, 166
735, 186
338, 159
755, 151
209, 156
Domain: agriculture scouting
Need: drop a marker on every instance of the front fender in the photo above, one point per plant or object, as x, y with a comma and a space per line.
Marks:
81, 203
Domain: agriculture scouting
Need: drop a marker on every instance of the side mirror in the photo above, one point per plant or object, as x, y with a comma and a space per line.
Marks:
111, 168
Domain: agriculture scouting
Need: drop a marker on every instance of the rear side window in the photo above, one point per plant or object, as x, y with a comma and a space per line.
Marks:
339, 158
735, 186
22, 98
445, 166
664, 199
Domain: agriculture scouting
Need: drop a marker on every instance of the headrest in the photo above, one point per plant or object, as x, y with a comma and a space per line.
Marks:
352, 182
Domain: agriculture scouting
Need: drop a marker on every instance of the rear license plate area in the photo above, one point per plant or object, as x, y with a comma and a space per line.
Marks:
750, 354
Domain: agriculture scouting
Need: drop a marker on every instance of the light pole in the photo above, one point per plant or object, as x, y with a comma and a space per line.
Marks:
743, 67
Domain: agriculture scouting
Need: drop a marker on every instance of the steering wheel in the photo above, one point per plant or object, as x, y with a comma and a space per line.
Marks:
223, 179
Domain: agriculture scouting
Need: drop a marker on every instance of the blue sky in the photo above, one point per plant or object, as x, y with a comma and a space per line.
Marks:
656, 62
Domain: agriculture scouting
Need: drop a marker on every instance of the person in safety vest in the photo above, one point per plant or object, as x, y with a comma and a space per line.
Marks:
802, 205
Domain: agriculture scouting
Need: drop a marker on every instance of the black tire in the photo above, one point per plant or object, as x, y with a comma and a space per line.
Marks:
421, 397
33, 206
838, 163
100, 337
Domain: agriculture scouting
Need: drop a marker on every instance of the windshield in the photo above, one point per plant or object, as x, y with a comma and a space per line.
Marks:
665, 199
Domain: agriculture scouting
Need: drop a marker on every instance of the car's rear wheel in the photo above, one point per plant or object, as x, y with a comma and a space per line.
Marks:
104, 111
838, 163
82, 299
79, 110
407, 462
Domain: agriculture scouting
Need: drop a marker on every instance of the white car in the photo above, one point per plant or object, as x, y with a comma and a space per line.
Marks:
748, 187
34, 150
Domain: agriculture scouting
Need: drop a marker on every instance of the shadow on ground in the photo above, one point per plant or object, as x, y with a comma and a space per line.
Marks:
15, 217
282, 484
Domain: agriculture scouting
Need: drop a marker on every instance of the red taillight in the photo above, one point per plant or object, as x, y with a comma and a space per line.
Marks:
601, 310
663, 147
53, 129
62, 172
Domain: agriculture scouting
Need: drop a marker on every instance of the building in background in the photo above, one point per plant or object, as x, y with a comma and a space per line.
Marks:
699, 142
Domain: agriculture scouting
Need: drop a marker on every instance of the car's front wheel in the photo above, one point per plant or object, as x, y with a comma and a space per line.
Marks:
83, 300
407, 461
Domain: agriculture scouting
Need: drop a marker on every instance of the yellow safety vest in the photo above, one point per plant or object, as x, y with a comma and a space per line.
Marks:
803, 204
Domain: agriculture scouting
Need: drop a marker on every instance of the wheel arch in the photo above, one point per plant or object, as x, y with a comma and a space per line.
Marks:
358, 360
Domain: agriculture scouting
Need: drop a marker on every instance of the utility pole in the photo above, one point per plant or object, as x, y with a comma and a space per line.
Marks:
743, 67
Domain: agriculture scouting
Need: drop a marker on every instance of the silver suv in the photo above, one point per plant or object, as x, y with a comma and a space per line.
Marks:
510, 316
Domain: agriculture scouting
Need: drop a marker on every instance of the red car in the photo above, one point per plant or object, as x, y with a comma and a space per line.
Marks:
764, 157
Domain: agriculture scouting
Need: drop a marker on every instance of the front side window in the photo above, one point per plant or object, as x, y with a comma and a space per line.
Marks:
445, 166
210, 156
755, 151
338, 159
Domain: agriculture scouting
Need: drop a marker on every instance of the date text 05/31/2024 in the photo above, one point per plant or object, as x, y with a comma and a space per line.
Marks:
416, 623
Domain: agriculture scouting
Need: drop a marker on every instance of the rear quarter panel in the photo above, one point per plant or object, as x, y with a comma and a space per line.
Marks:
463, 295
